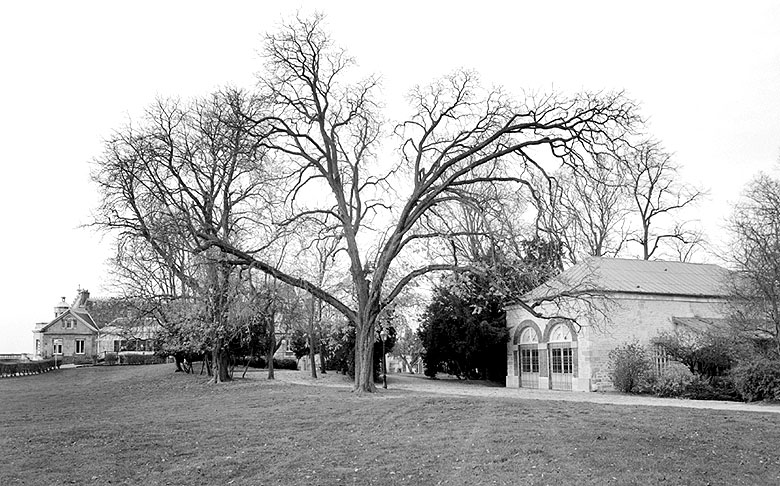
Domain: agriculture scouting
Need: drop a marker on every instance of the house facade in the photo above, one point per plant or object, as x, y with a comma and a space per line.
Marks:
71, 335
562, 333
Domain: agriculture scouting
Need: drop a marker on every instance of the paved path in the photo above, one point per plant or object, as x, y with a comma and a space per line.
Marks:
452, 387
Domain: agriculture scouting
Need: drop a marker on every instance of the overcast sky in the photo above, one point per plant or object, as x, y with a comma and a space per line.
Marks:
707, 75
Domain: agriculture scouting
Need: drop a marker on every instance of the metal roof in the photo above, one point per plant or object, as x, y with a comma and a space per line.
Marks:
612, 275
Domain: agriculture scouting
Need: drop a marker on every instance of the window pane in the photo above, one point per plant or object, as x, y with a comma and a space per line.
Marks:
567, 360
557, 365
535, 360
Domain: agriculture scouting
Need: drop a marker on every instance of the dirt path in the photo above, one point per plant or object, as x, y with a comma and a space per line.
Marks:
399, 384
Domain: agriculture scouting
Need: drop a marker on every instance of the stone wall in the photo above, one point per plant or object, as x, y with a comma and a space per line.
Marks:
605, 324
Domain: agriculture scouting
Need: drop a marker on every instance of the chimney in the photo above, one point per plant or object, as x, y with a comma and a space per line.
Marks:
81, 302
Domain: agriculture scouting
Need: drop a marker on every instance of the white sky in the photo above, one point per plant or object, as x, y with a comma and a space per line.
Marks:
706, 73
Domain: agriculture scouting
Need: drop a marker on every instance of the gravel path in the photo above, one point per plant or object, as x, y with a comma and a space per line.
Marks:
401, 384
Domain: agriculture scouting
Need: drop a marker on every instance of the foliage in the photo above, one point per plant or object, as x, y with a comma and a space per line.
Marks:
709, 352
758, 380
110, 359
140, 359
342, 355
629, 366
463, 330
714, 388
285, 364
299, 343
673, 380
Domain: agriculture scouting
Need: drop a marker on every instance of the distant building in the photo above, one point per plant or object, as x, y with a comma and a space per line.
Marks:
600, 304
87, 329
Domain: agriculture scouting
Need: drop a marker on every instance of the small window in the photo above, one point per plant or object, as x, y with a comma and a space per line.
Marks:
57, 348
79, 346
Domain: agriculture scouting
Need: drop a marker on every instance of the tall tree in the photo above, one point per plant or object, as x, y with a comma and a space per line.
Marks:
755, 254
586, 210
327, 131
658, 194
186, 171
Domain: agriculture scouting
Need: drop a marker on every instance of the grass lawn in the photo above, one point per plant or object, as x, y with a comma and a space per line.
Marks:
148, 425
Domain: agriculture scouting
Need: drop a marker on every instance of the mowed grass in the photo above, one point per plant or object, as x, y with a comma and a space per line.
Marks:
148, 425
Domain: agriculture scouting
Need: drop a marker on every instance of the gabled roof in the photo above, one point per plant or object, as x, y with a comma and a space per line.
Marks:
651, 277
84, 317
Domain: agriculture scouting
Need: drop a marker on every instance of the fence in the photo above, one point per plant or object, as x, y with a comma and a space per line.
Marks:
660, 359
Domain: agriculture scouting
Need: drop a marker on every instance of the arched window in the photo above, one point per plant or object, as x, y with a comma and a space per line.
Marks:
529, 336
529, 357
560, 334
562, 356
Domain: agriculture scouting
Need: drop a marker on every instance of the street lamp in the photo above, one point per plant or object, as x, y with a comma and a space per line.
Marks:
383, 336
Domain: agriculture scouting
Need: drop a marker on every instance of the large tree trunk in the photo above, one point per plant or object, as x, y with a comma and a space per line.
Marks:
220, 360
364, 357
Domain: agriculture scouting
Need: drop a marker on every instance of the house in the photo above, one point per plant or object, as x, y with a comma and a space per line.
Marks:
563, 331
71, 334
87, 329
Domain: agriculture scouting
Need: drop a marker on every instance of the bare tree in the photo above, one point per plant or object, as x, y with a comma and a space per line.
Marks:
327, 132
188, 170
585, 209
657, 194
755, 254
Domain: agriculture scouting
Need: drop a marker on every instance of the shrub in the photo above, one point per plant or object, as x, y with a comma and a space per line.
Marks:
673, 380
709, 352
110, 358
629, 367
714, 388
142, 359
285, 364
14, 368
758, 380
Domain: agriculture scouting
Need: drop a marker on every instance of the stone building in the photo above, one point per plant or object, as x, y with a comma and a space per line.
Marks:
72, 333
87, 329
599, 304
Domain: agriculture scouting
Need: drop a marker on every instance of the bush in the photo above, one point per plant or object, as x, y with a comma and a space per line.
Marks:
757, 380
14, 368
141, 359
673, 380
629, 367
110, 358
710, 352
714, 388
285, 364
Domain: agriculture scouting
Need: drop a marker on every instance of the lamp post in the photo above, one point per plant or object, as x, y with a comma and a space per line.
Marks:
383, 336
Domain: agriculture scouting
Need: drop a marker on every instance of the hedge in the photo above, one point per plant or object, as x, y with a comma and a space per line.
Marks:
20, 368
140, 359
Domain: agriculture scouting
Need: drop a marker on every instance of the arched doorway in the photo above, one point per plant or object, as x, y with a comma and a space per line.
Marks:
561, 357
529, 358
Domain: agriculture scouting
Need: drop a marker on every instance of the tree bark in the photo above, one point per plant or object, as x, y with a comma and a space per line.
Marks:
364, 358
311, 341
220, 360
